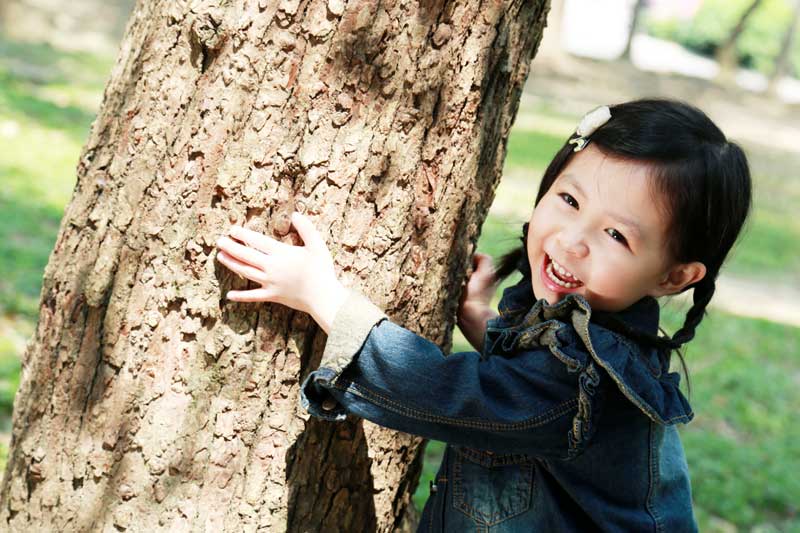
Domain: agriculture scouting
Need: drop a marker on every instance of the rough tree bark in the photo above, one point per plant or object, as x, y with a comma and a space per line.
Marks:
147, 401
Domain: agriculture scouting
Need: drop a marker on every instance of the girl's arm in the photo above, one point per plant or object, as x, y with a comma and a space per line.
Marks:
474, 310
375, 369
380, 371
473, 326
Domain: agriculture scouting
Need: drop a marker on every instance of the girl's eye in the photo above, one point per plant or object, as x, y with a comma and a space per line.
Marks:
617, 236
569, 199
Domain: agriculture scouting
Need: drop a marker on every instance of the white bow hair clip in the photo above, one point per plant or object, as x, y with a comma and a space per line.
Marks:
590, 122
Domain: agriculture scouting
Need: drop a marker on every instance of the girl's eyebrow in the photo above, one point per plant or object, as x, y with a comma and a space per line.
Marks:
622, 219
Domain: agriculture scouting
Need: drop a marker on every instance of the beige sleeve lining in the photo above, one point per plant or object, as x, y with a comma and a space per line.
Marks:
351, 326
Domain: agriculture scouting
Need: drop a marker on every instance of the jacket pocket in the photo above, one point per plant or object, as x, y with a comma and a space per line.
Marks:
491, 488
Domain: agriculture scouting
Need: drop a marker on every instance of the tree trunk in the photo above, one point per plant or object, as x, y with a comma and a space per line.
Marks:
147, 401
634, 26
784, 55
726, 53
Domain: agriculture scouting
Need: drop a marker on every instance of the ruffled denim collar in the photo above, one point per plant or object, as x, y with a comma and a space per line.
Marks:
567, 330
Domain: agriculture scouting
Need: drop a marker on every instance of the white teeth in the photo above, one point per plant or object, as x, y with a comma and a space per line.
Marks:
555, 279
561, 270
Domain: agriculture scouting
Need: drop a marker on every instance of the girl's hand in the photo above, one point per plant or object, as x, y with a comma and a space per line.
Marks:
480, 286
300, 277
474, 307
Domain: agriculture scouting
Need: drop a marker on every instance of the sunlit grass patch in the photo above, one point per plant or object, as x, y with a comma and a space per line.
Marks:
43, 125
768, 247
745, 375
9, 375
20, 101
532, 148
37, 172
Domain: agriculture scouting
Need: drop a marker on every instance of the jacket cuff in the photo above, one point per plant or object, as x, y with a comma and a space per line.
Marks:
351, 326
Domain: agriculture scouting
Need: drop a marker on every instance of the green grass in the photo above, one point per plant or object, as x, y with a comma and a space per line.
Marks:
42, 128
745, 438
532, 149
27, 234
768, 248
9, 376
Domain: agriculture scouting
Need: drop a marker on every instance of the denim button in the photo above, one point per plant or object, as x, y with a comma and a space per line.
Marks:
433, 486
328, 404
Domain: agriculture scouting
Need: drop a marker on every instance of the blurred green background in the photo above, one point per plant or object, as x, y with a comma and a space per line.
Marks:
743, 447
759, 43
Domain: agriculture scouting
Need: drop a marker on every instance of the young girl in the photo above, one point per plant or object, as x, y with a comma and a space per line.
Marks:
564, 420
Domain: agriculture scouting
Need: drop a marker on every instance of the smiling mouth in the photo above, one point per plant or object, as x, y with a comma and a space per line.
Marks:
556, 281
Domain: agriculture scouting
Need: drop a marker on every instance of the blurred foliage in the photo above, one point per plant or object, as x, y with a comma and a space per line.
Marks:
756, 48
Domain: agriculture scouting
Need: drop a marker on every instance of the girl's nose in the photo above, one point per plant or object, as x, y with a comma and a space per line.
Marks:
573, 245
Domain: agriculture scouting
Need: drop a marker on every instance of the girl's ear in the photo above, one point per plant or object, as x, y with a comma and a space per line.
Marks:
678, 277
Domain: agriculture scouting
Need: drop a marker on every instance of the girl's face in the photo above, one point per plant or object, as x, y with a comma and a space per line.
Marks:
601, 223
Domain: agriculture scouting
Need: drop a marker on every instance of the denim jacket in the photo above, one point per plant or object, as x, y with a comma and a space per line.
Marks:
558, 424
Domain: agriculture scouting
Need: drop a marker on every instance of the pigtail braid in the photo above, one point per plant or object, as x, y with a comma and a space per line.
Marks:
703, 291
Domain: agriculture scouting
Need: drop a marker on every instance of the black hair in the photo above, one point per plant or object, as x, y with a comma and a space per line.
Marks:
704, 187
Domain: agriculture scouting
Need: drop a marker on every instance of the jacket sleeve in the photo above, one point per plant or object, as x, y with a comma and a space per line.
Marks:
377, 370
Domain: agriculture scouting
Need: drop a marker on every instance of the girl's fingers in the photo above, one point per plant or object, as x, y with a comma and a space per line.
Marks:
253, 295
305, 228
241, 252
484, 271
484, 264
243, 269
257, 240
